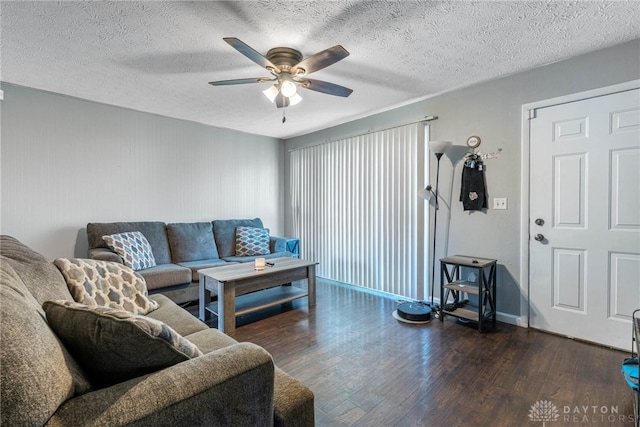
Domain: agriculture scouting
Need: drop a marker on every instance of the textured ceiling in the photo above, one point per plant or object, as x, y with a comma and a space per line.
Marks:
158, 56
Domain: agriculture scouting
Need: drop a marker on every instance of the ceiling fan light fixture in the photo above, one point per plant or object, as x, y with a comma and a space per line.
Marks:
288, 87
295, 99
271, 93
287, 66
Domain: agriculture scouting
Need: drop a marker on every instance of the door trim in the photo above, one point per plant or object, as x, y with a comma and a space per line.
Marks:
523, 319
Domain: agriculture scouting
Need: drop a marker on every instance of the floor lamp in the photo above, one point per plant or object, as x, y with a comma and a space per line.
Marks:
419, 311
438, 148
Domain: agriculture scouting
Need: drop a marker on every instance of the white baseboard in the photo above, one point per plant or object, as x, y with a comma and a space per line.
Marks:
512, 319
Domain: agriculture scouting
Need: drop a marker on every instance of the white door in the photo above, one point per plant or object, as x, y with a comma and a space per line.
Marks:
585, 196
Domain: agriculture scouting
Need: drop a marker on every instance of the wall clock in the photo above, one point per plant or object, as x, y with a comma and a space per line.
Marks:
473, 142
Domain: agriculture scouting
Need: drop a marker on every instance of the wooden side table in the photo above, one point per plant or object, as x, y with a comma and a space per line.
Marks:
484, 286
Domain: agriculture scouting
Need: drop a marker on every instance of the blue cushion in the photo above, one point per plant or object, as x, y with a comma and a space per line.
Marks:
191, 241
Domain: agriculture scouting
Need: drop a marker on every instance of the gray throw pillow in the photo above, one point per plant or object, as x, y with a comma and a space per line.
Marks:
115, 345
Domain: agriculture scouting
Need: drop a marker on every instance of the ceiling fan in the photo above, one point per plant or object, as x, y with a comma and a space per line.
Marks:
289, 71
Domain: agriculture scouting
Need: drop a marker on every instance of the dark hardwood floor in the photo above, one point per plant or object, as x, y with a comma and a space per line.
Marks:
368, 369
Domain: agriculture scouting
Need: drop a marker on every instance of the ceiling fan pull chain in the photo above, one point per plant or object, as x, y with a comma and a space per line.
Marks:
284, 119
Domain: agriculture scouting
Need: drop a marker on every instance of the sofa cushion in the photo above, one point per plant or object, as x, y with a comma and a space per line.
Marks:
224, 231
199, 265
191, 241
37, 372
252, 241
165, 275
115, 345
103, 283
134, 249
154, 231
180, 320
39, 275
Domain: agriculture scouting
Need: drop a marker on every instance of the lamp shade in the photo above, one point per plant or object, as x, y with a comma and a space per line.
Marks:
293, 100
439, 147
425, 193
288, 88
271, 93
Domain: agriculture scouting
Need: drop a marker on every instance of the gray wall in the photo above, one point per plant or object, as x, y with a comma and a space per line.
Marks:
492, 111
66, 162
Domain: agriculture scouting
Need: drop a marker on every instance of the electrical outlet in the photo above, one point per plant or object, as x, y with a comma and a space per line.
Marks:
500, 203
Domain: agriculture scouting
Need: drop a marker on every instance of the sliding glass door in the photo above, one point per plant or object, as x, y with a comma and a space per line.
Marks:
356, 209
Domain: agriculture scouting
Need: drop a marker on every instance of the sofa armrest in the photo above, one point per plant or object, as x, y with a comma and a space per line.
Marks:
103, 254
277, 244
230, 386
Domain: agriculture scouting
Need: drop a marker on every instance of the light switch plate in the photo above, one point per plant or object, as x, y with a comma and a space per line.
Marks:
500, 203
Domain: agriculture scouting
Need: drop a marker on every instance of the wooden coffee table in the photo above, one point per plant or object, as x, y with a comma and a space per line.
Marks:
232, 283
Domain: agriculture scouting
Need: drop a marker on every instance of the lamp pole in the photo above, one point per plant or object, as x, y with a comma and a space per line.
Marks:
438, 148
435, 228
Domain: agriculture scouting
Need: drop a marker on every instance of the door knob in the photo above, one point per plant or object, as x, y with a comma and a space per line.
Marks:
539, 221
539, 237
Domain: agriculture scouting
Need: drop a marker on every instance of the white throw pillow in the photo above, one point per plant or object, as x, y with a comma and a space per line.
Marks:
106, 284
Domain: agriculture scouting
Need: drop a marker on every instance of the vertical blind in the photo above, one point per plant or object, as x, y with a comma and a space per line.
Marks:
356, 211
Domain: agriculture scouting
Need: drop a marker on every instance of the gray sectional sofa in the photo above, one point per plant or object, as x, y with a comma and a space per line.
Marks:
180, 250
44, 383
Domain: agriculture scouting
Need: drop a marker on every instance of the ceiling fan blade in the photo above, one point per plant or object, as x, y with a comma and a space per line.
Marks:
325, 87
241, 81
320, 60
252, 54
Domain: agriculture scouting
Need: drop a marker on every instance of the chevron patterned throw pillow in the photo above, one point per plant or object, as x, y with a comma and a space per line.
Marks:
134, 249
251, 241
